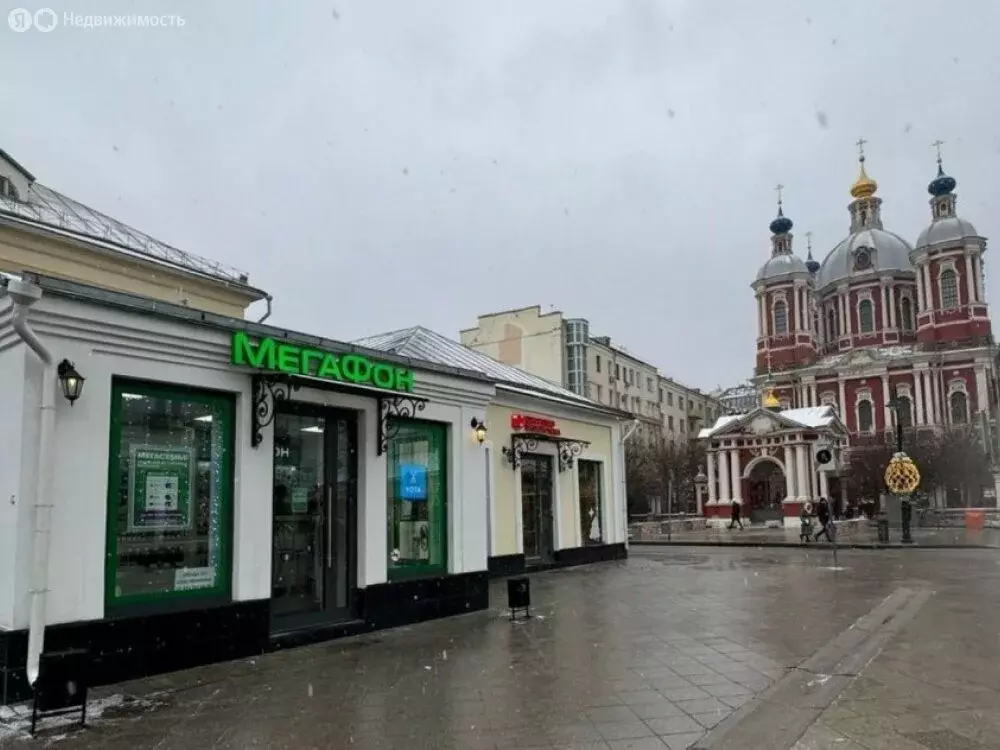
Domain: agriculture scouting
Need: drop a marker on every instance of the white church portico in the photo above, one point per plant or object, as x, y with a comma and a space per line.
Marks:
764, 460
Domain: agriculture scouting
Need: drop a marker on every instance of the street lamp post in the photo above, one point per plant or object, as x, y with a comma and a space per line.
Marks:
906, 508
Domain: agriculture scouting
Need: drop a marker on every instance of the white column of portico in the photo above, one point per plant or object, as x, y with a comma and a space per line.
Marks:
981, 399
710, 470
724, 477
842, 409
970, 277
801, 478
734, 467
789, 473
813, 397
932, 388
918, 398
886, 411
824, 485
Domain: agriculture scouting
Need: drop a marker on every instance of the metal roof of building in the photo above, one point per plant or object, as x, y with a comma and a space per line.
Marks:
47, 207
421, 343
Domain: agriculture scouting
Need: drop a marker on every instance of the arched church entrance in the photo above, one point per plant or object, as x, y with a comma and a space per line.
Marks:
765, 490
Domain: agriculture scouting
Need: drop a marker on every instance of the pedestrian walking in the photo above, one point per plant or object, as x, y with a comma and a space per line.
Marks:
735, 518
805, 523
823, 515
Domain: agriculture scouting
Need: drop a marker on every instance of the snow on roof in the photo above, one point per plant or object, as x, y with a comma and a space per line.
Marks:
421, 343
43, 205
810, 416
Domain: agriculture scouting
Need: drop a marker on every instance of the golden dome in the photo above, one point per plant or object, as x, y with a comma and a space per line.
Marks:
865, 187
770, 400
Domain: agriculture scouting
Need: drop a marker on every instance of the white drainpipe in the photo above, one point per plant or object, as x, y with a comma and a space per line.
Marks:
24, 294
627, 434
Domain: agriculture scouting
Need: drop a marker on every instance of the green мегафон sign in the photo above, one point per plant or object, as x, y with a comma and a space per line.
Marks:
268, 354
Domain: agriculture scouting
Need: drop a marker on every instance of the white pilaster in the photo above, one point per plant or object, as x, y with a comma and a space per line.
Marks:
762, 310
710, 470
848, 312
789, 473
920, 290
843, 400
813, 397
841, 305
981, 400
734, 467
893, 322
881, 303
925, 275
724, 477
970, 278
918, 399
801, 479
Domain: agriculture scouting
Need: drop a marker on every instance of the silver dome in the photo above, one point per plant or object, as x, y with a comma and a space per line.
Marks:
892, 253
949, 229
781, 265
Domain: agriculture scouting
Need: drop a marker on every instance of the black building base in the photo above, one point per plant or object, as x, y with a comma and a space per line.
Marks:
503, 566
131, 648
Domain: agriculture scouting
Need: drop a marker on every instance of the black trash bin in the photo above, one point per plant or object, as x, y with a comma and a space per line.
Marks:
519, 596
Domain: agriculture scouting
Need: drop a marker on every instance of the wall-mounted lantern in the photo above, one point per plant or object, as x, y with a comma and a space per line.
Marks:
70, 381
479, 428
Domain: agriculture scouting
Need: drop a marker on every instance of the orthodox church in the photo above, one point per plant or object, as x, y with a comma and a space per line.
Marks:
880, 327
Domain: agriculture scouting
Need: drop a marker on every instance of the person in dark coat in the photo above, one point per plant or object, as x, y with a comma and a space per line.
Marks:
735, 518
823, 515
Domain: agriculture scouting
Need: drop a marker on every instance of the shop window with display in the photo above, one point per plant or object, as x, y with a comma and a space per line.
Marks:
418, 495
591, 531
170, 487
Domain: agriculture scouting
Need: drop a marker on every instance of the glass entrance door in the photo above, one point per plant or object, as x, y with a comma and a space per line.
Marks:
313, 539
536, 507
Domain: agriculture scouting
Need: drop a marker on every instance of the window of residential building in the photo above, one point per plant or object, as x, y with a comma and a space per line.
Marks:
680, 425
618, 372
670, 422
670, 399
418, 519
600, 394
590, 501
597, 363
649, 384
948, 282
170, 495
661, 395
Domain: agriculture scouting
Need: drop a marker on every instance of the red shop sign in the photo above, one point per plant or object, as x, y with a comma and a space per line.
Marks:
539, 425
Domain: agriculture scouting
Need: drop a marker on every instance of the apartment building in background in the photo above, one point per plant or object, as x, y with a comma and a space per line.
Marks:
562, 350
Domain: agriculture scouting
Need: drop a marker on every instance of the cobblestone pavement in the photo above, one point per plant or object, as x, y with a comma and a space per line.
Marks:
850, 534
646, 653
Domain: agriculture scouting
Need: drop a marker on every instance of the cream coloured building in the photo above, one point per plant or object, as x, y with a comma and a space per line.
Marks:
45, 232
562, 351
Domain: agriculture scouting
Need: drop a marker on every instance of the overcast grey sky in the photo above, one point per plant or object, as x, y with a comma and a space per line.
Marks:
379, 164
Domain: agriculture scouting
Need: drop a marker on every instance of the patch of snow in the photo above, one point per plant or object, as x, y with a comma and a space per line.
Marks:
15, 721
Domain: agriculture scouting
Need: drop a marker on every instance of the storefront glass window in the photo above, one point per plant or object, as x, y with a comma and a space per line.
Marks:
590, 501
417, 492
169, 494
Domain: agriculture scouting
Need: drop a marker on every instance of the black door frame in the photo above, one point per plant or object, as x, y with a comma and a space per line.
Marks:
546, 527
330, 614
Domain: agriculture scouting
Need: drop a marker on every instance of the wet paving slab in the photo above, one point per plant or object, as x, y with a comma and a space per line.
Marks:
652, 652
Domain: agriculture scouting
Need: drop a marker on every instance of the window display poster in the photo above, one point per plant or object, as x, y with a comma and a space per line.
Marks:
160, 483
412, 482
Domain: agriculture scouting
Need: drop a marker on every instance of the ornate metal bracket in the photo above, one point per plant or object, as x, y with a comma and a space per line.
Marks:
266, 390
568, 451
394, 407
518, 447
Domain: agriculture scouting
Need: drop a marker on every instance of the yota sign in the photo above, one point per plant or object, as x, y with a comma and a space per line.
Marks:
278, 356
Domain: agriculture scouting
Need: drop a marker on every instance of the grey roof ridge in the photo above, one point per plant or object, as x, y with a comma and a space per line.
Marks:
144, 305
